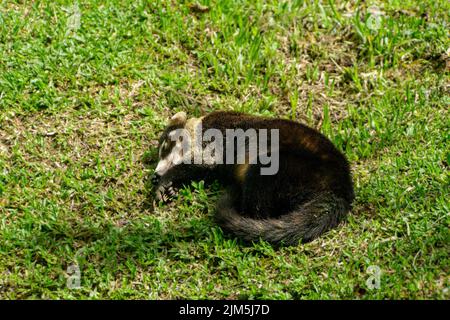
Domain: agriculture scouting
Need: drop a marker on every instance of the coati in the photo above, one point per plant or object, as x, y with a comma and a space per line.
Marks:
310, 193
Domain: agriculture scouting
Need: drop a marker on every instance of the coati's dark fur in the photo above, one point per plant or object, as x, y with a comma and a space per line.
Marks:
311, 193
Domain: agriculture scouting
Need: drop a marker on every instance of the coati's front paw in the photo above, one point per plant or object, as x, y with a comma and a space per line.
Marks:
165, 192
154, 179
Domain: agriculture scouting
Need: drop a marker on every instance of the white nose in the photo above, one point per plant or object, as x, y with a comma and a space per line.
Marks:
162, 167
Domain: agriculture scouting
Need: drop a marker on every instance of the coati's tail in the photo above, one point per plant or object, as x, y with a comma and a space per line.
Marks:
306, 223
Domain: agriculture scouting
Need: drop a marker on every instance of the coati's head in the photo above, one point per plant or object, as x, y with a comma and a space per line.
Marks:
172, 148
169, 148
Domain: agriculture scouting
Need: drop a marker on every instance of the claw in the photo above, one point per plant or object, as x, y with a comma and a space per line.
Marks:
165, 191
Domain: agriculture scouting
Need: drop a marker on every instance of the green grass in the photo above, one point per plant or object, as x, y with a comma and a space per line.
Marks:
86, 87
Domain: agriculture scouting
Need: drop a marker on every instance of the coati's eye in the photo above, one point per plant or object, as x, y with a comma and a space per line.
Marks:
165, 148
167, 143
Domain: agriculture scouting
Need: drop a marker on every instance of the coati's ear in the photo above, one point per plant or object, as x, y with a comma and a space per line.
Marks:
178, 119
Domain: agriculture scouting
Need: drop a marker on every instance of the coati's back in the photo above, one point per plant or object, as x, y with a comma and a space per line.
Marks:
307, 157
310, 193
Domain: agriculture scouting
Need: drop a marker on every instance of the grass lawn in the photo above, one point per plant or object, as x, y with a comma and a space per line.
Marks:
87, 86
